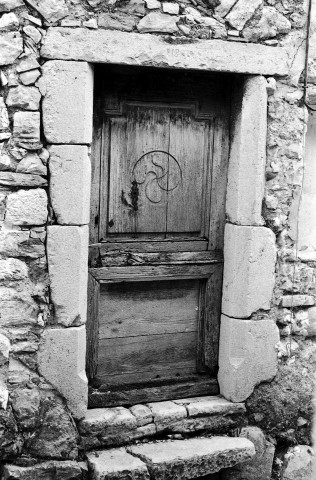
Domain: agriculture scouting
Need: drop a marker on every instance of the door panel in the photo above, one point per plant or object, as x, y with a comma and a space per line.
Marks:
142, 131
159, 164
189, 144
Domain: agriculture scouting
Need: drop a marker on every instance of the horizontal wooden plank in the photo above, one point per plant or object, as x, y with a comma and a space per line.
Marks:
172, 390
158, 258
148, 308
154, 272
155, 354
153, 246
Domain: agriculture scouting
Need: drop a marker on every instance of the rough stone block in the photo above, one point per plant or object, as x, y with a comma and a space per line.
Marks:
53, 10
224, 7
27, 98
32, 164
11, 179
246, 171
128, 48
260, 466
105, 426
61, 360
212, 405
241, 12
289, 301
27, 207
70, 173
67, 252
157, 22
249, 270
298, 464
26, 127
165, 413
216, 424
117, 21
8, 5
4, 116
4, 350
247, 356
11, 46
186, 459
68, 102
67, 470
116, 464
18, 243
142, 414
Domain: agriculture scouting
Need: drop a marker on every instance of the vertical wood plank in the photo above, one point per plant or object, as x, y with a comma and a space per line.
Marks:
219, 183
212, 315
144, 130
96, 155
92, 327
189, 139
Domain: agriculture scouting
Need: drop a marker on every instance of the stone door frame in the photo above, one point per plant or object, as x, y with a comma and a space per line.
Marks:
247, 352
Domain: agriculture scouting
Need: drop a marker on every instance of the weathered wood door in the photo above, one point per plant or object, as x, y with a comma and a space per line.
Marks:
157, 215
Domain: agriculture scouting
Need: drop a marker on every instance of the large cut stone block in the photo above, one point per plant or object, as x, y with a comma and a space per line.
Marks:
61, 360
247, 356
116, 464
126, 48
249, 270
70, 172
68, 102
67, 252
246, 172
191, 458
27, 207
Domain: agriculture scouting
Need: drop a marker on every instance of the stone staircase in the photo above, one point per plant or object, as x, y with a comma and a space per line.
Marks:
170, 440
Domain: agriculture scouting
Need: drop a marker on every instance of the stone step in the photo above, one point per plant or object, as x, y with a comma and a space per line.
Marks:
170, 459
107, 427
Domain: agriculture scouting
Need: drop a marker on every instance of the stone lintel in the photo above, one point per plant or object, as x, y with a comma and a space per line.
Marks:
103, 46
68, 102
67, 253
70, 173
249, 270
61, 361
247, 356
246, 172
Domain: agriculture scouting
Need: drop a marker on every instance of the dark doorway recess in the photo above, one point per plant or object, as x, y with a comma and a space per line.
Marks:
159, 174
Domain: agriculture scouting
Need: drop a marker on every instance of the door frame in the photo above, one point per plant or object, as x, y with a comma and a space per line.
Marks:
246, 180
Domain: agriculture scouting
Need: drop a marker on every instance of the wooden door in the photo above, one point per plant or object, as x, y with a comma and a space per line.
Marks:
156, 235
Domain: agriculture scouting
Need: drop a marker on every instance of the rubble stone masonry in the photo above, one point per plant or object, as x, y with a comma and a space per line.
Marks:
268, 335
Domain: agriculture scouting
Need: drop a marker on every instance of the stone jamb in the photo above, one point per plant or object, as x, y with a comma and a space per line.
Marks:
118, 47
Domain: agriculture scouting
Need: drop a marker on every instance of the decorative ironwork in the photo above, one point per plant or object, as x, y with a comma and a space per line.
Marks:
159, 172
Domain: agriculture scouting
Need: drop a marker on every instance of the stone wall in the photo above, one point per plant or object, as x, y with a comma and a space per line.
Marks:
38, 422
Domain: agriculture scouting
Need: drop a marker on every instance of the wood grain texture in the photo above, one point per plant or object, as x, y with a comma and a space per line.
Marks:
165, 355
146, 273
100, 258
217, 215
189, 144
155, 246
211, 321
131, 395
92, 327
150, 308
